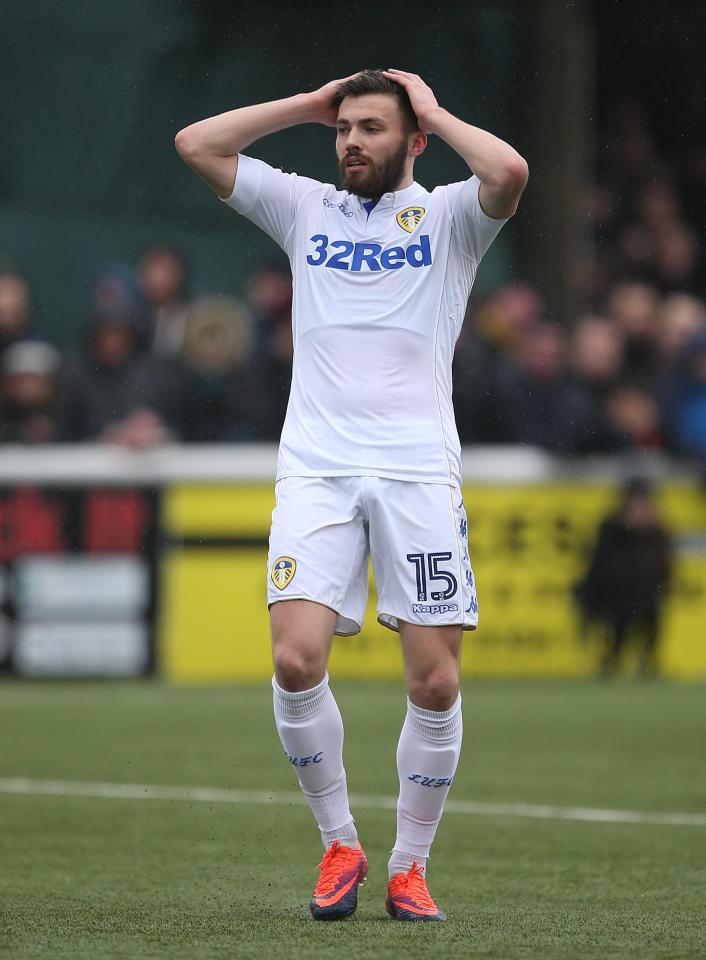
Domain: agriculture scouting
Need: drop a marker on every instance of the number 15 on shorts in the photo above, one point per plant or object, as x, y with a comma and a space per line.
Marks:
428, 571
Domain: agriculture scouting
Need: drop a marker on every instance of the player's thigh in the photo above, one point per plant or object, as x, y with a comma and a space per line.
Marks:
418, 543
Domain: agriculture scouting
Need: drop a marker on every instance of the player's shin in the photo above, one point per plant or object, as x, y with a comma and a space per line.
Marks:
427, 756
311, 730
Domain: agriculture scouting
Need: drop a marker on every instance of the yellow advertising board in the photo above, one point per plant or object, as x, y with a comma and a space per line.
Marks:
528, 544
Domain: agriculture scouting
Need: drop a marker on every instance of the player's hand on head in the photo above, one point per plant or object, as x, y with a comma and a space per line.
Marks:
421, 96
323, 101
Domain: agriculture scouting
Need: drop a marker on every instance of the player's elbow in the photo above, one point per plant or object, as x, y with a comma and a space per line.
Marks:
509, 177
185, 143
510, 185
516, 172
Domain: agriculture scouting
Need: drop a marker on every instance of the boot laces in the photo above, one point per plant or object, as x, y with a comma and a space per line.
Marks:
334, 864
414, 885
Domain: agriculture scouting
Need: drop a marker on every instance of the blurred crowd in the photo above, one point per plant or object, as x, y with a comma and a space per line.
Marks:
629, 376
153, 364
626, 372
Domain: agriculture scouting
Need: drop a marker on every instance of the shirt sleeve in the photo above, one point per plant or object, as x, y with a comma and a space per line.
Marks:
268, 197
472, 226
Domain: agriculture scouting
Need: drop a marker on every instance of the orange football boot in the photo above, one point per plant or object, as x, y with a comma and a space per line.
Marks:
409, 899
343, 869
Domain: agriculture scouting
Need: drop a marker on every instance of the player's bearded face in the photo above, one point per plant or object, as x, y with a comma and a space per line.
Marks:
377, 176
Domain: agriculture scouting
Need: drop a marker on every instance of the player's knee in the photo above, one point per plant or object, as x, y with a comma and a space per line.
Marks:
295, 670
437, 690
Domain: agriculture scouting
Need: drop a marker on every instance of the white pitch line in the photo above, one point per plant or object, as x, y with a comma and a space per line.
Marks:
144, 791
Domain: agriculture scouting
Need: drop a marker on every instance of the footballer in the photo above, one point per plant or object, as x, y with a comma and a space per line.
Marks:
369, 461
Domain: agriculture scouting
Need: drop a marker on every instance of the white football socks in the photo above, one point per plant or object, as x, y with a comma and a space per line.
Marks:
311, 730
427, 755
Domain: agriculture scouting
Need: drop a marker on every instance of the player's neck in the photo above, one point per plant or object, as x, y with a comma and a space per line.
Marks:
403, 183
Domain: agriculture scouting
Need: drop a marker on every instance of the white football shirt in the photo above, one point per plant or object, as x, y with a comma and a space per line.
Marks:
379, 300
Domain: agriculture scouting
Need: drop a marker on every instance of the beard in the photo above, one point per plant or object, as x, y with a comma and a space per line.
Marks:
376, 178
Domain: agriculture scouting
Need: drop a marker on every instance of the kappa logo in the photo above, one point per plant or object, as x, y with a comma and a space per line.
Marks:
409, 218
283, 570
434, 608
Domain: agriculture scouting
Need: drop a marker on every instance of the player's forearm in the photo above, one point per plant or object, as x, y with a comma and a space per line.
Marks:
228, 133
491, 159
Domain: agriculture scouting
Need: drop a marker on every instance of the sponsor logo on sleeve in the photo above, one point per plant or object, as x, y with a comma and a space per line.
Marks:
338, 206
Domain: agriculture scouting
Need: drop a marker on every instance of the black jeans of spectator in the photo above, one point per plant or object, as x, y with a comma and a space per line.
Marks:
644, 628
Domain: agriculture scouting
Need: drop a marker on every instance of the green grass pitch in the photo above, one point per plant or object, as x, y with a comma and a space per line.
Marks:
89, 877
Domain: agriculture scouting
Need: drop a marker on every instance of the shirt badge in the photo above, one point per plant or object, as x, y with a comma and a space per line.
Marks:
409, 218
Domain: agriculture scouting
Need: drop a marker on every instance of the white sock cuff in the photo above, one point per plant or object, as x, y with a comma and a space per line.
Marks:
435, 724
302, 703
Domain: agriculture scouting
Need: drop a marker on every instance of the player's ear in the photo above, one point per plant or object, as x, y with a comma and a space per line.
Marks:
418, 143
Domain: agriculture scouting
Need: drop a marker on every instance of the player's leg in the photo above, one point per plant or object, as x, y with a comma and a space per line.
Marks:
422, 569
427, 756
310, 598
308, 720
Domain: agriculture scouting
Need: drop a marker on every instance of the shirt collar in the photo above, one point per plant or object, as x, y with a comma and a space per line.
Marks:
397, 198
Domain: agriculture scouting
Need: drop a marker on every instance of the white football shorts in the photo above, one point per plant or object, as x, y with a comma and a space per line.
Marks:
325, 528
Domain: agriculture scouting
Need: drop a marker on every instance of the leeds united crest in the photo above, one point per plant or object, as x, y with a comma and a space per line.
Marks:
283, 570
409, 218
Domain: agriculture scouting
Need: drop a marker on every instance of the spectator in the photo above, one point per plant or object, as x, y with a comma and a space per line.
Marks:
685, 400
479, 417
632, 306
507, 316
269, 296
491, 335
633, 418
477, 367
224, 396
273, 373
16, 320
543, 404
596, 360
114, 393
676, 262
163, 276
679, 318
28, 392
115, 291
596, 355
627, 579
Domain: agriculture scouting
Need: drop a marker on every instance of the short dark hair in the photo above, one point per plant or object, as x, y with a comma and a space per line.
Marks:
374, 81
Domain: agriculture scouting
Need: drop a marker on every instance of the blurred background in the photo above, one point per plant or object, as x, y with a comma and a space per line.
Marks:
145, 342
